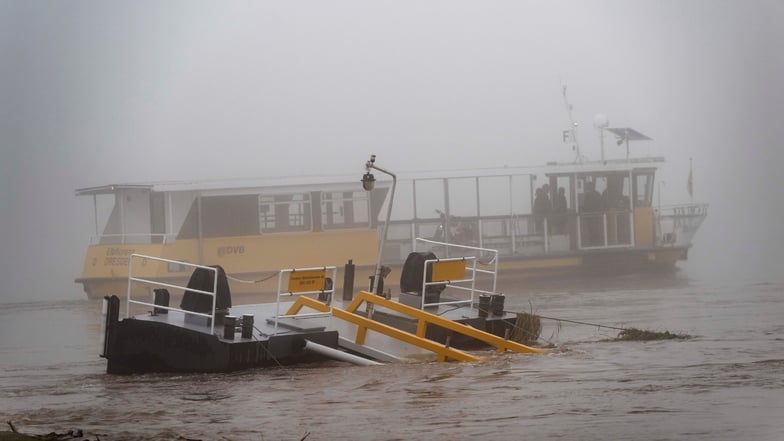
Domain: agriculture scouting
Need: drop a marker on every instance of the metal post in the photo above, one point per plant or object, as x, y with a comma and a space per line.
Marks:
371, 164
348, 281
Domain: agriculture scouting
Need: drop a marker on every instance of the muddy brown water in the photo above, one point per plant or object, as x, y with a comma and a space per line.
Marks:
725, 383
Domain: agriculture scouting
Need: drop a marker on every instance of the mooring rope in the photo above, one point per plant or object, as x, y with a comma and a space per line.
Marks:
583, 323
253, 281
625, 333
286, 371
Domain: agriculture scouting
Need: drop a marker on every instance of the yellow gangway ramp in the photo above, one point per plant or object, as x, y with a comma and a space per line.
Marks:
424, 318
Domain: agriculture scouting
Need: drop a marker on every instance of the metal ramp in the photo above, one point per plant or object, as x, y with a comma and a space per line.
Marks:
418, 339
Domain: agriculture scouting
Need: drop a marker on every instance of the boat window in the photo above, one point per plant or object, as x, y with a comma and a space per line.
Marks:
556, 184
616, 194
643, 189
462, 197
430, 197
282, 213
503, 195
348, 209
234, 215
157, 217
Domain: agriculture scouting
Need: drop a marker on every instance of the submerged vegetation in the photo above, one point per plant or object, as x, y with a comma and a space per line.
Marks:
624, 334
527, 328
634, 334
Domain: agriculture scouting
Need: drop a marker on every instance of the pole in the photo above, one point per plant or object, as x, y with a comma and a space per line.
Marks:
371, 164
601, 141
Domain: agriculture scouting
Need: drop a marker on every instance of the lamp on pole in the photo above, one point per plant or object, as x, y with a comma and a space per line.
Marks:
368, 183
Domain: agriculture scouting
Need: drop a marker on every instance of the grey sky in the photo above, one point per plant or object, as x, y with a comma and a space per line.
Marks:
96, 92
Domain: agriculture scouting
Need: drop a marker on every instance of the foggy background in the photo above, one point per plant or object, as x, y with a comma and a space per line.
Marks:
95, 93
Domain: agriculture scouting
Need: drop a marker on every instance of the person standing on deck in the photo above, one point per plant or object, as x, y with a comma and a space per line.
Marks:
559, 211
541, 208
592, 204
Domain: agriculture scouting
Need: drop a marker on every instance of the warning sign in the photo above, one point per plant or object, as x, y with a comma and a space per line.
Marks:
449, 270
309, 280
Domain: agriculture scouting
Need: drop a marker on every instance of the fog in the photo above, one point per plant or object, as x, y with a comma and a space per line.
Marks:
94, 93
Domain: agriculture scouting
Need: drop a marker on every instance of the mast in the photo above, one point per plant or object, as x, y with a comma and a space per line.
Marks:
572, 132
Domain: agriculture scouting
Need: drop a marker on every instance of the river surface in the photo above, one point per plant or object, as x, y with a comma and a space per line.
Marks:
724, 383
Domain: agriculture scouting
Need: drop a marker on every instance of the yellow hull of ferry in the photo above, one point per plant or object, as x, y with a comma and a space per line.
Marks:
106, 266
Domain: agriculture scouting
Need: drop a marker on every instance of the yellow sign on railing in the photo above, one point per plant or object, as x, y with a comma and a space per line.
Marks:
307, 280
449, 270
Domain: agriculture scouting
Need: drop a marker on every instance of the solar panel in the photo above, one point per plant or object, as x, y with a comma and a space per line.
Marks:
628, 134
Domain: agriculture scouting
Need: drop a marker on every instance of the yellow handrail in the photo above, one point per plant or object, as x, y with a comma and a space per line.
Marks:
444, 352
364, 324
426, 318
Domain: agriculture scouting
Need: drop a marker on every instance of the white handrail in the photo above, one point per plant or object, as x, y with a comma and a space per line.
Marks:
474, 270
330, 291
132, 279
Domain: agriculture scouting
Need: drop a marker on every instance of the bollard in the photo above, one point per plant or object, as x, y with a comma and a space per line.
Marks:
497, 304
229, 323
484, 305
348, 281
247, 326
161, 299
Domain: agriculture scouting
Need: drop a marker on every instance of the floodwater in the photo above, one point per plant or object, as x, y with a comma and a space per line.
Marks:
725, 383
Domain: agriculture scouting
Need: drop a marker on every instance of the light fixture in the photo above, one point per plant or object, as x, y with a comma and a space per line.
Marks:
368, 181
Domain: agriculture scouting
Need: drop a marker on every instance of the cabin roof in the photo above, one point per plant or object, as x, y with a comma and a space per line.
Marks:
551, 168
109, 189
240, 185
293, 184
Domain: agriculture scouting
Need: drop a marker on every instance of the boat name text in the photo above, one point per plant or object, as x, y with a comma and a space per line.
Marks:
118, 256
231, 249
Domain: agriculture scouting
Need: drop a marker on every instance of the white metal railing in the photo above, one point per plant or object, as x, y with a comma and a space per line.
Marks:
132, 278
472, 271
450, 283
676, 224
597, 226
328, 288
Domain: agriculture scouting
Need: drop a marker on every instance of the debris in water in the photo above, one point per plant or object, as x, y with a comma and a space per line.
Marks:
526, 329
634, 334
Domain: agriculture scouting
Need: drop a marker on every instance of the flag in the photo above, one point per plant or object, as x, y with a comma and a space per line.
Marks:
567, 136
690, 183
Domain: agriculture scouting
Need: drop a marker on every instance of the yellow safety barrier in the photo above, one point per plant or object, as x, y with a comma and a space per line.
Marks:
418, 339
426, 318
363, 323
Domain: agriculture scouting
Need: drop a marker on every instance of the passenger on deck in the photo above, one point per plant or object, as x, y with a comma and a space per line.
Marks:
592, 224
541, 209
559, 212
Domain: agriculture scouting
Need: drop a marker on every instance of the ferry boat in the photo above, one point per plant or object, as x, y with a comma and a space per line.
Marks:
549, 221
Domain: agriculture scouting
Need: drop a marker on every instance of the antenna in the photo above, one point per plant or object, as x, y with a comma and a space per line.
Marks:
572, 132
601, 122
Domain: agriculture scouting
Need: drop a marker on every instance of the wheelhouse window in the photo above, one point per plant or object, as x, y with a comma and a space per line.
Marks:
284, 213
348, 209
643, 189
234, 215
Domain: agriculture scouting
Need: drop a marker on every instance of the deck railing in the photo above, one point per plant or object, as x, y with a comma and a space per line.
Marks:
469, 273
676, 224
133, 278
300, 282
